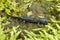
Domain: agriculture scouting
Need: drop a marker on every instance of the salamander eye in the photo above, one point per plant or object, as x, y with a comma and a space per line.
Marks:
44, 20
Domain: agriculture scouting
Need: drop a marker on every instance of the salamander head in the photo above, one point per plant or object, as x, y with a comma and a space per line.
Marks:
43, 21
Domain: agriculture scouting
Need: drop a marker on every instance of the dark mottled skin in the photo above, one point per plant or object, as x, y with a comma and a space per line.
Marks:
32, 20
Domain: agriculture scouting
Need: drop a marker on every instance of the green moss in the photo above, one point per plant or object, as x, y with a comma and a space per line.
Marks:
14, 29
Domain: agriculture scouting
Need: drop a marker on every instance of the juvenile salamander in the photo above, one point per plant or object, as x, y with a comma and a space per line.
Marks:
32, 20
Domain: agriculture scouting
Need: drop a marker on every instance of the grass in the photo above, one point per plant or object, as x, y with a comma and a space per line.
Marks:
14, 29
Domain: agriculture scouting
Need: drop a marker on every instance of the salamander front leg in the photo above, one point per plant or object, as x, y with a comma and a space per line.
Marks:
23, 23
38, 24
